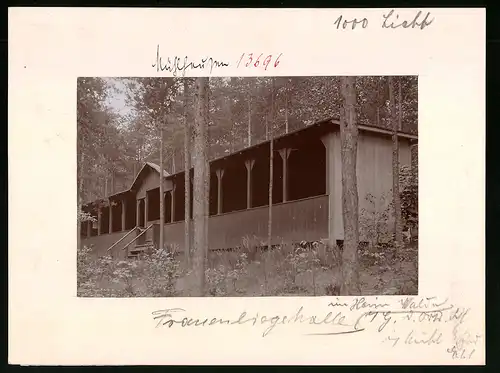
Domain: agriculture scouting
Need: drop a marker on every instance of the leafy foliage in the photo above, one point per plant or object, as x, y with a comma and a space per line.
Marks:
292, 270
216, 280
160, 272
409, 197
374, 222
84, 216
157, 272
116, 144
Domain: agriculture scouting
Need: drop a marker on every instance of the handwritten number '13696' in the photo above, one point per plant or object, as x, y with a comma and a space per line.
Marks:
249, 60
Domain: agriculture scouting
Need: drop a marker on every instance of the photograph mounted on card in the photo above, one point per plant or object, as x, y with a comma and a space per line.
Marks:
296, 181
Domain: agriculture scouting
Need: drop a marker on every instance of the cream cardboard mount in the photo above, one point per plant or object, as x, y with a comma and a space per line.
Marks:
49, 48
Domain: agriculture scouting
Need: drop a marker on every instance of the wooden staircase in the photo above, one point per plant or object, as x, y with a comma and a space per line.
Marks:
143, 243
139, 249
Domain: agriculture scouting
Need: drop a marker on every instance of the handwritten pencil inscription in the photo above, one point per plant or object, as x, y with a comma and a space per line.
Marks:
420, 322
177, 65
391, 20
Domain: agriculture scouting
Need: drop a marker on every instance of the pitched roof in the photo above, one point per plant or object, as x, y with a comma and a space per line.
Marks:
151, 165
157, 168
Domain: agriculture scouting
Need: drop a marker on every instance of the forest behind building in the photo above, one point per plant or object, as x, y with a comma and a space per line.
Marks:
116, 139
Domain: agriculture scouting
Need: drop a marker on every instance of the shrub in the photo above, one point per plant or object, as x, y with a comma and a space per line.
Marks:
158, 272
251, 247
216, 281
123, 272
297, 263
332, 289
408, 190
84, 216
239, 270
374, 223
91, 272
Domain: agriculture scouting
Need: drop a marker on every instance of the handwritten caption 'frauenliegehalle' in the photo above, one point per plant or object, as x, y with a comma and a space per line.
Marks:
409, 321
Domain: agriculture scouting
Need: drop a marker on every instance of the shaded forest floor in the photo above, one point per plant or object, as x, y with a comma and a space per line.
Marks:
296, 272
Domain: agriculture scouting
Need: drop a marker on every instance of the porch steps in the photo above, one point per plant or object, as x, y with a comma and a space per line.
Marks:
136, 251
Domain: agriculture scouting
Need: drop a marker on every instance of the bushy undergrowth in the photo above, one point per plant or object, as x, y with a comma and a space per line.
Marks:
308, 268
104, 276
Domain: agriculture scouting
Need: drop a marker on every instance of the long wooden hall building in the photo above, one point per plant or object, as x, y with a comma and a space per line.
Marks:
307, 190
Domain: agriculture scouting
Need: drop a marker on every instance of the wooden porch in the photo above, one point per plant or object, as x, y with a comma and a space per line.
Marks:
292, 221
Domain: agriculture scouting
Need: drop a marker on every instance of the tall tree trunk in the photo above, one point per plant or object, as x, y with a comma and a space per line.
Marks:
162, 193
400, 106
286, 105
267, 124
249, 142
199, 205
106, 186
207, 168
414, 182
207, 199
396, 199
187, 181
349, 146
271, 162
112, 181
80, 200
173, 161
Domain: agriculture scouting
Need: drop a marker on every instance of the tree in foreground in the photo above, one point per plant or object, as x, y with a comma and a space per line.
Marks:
187, 176
200, 163
396, 123
349, 147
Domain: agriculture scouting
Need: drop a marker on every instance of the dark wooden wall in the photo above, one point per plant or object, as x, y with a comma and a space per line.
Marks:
292, 222
102, 243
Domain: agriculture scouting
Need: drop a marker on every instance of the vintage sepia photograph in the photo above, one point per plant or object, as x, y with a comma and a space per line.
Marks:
247, 186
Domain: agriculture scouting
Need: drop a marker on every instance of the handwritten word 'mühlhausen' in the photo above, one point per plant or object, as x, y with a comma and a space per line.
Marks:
177, 64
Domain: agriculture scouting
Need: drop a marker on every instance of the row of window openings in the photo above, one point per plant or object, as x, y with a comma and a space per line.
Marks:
313, 185
153, 211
